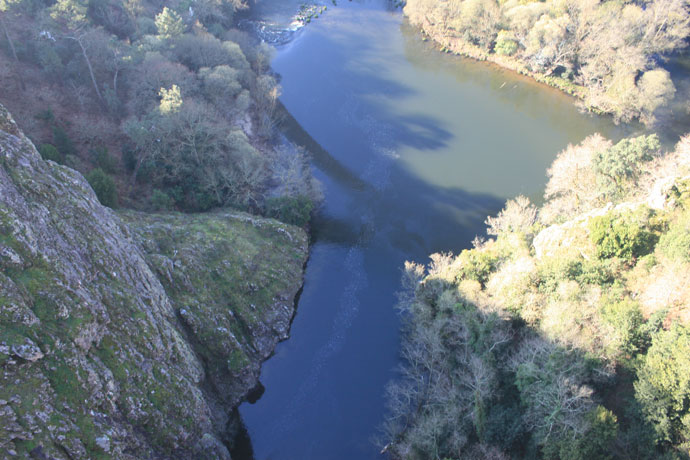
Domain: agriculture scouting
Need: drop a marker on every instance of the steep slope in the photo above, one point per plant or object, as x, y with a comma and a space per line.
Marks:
566, 336
95, 361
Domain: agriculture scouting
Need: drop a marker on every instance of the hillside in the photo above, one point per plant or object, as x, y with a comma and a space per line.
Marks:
608, 54
162, 106
129, 336
566, 335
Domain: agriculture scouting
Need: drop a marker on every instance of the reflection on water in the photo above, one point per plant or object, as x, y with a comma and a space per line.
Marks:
414, 149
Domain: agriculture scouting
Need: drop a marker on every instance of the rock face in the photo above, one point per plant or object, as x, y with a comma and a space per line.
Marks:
129, 337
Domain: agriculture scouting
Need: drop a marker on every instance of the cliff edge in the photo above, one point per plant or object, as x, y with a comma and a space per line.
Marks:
129, 336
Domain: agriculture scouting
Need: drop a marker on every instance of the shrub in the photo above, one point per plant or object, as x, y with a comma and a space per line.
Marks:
161, 201
112, 16
49, 152
104, 187
681, 193
595, 443
675, 243
221, 84
504, 426
622, 163
551, 381
129, 157
197, 51
63, 142
476, 264
553, 270
626, 319
169, 24
663, 385
598, 272
103, 159
620, 236
49, 60
147, 26
291, 210
505, 43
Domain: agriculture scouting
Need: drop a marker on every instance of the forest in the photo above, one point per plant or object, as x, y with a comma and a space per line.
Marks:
564, 335
610, 54
161, 105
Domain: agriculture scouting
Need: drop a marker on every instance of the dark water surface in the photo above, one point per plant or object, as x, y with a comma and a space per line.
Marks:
418, 147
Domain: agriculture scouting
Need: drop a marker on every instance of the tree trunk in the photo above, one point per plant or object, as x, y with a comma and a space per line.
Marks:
20, 80
9, 39
88, 64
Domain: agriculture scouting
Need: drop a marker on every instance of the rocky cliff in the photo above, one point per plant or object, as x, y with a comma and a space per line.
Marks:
129, 336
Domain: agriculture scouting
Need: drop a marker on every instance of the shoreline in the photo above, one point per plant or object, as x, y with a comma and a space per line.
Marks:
460, 48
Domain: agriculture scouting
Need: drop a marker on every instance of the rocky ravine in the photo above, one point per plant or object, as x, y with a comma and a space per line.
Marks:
129, 336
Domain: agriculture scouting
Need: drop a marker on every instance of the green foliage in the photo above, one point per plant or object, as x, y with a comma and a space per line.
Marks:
626, 319
113, 16
129, 157
681, 193
573, 46
579, 334
169, 24
663, 385
198, 51
556, 269
221, 84
50, 61
620, 235
476, 265
171, 100
551, 382
621, 164
161, 201
192, 151
675, 243
505, 43
62, 141
103, 159
595, 443
504, 426
104, 186
124, 64
70, 14
49, 152
292, 210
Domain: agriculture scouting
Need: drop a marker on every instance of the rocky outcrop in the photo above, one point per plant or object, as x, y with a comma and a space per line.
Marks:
128, 337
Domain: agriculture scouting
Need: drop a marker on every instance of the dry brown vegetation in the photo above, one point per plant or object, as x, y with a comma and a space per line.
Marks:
566, 335
607, 53
174, 106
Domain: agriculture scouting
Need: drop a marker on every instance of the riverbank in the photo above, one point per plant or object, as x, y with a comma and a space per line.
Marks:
611, 57
556, 337
460, 47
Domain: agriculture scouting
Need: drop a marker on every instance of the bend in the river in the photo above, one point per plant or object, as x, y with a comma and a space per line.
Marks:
414, 149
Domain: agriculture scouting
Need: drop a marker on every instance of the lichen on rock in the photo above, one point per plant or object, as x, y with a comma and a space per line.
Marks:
97, 359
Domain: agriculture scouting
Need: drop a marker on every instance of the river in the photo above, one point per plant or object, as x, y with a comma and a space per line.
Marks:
414, 149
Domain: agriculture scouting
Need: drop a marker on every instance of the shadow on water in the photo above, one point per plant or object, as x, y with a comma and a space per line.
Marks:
342, 231
413, 157
377, 215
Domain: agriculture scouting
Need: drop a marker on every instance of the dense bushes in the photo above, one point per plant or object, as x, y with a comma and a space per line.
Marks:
620, 235
674, 244
293, 210
49, 152
566, 336
104, 186
606, 52
183, 96
663, 385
